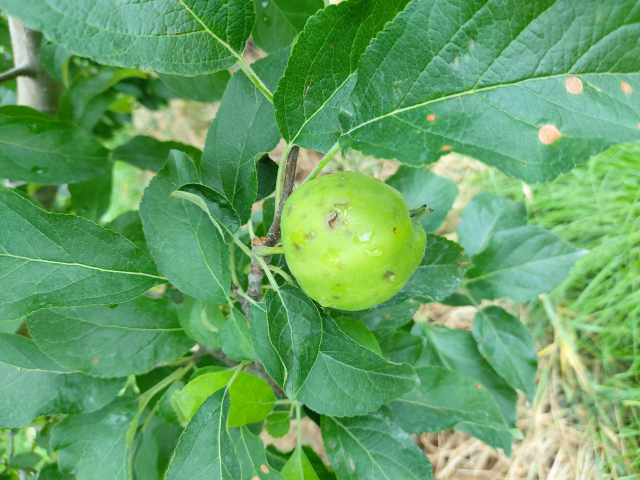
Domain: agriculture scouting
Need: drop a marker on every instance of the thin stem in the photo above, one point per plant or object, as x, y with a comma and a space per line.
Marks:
246, 68
238, 242
267, 272
258, 268
148, 419
285, 401
250, 229
249, 299
174, 377
299, 427
287, 189
323, 163
15, 72
282, 273
281, 168
268, 251
232, 264
237, 370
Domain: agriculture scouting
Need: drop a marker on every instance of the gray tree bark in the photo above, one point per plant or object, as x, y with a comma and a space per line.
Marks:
36, 88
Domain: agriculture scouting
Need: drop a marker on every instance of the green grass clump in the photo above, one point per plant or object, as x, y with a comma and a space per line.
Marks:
596, 206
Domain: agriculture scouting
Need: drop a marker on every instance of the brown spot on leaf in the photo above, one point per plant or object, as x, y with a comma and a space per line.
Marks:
389, 275
95, 360
296, 246
446, 148
387, 316
573, 85
337, 297
432, 117
478, 386
549, 134
394, 229
255, 477
264, 468
626, 88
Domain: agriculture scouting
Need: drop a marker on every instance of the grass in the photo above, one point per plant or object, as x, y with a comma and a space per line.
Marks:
596, 206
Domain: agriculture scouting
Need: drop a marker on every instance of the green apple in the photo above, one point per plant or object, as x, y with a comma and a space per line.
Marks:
350, 240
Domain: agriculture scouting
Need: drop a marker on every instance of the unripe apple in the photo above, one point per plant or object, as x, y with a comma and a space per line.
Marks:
350, 240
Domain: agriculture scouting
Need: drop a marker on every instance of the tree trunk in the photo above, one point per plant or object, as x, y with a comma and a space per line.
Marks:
38, 90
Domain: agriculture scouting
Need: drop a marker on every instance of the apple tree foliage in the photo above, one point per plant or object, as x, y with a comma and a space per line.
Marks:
180, 382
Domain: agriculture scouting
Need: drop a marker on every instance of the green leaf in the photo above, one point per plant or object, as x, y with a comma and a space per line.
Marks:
165, 407
479, 79
235, 337
97, 446
267, 173
205, 449
39, 386
385, 319
457, 350
372, 447
153, 453
251, 397
484, 216
185, 37
181, 237
349, 379
298, 467
521, 263
261, 341
295, 332
400, 346
55, 60
24, 461
52, 260
508, 347
322, 70
279, 21
51, 472
201, 88
129, 225
278, 424
140, 335
90, 199
76, 98
211, 202
356, 330
440, 272
11, 326
420, 186
443, 399
35, 147
252, 456
241, 132
148, 153
201, 321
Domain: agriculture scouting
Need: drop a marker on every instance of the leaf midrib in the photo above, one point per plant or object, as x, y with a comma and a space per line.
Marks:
81, 265
366, 450
120, 327
502, 270
516, 83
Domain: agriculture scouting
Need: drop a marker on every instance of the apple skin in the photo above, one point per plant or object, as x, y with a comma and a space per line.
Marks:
350, 241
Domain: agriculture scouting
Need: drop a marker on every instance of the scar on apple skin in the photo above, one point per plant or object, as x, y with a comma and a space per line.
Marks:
334, 216
389, 274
